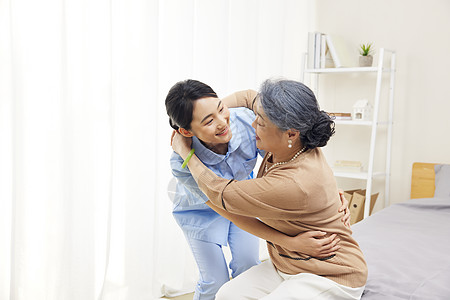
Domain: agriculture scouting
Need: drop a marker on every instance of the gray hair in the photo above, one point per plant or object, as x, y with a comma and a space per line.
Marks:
292, 105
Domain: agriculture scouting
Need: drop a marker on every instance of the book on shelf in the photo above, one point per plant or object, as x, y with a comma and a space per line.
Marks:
314, 50
317, 50
339, 51
325, 51
341, 116
347, 166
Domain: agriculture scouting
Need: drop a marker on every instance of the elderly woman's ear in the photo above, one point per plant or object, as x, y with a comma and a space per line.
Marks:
293, 134
185, 132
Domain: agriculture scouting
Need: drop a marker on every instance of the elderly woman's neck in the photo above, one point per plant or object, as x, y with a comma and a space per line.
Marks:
285, 155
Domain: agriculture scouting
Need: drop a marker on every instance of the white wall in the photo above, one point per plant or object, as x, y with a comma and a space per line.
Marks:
420, 33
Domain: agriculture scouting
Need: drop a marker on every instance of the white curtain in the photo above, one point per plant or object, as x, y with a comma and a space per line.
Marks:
84, 138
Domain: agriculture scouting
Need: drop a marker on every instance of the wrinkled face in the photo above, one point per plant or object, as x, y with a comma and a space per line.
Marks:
211, 121
268, 136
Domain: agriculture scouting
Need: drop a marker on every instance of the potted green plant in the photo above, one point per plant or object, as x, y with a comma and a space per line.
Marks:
366, 58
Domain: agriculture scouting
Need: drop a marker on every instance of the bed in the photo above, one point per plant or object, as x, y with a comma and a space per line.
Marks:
407, 245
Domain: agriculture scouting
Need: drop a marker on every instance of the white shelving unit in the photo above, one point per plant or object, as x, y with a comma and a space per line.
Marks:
380, 70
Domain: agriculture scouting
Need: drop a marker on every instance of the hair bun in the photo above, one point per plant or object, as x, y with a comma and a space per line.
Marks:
321, 131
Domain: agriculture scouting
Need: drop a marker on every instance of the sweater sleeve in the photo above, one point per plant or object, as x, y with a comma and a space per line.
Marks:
184, 177
241, 99
266, 197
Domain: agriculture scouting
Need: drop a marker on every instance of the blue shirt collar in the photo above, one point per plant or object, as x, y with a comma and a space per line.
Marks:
211, 158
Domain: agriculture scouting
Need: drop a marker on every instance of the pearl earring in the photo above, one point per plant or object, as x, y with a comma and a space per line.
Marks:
290, 144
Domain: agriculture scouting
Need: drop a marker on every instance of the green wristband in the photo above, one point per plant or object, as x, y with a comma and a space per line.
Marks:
188, 158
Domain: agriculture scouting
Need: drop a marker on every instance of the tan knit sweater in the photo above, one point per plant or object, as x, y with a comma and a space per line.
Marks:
293, 198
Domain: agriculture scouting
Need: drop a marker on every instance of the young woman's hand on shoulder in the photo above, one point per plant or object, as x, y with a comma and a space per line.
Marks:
181, 144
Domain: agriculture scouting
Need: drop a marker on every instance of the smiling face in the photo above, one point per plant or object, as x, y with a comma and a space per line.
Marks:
211, 122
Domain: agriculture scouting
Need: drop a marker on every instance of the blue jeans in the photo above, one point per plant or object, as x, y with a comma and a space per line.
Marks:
213, 269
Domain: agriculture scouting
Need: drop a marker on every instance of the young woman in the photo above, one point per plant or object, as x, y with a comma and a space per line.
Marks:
295, 192
224, 141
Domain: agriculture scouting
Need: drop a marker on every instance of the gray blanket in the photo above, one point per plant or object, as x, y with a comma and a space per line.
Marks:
407, 250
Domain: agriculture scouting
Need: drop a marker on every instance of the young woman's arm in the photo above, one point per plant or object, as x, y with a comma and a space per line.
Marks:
311, 243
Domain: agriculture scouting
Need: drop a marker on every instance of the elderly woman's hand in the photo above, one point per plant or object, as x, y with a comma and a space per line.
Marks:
181, 144
313, 243
344, 208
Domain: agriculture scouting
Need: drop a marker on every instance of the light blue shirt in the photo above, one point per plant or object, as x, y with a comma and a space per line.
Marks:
195, 218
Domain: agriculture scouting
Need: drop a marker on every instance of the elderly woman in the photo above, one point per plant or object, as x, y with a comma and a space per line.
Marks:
295, 191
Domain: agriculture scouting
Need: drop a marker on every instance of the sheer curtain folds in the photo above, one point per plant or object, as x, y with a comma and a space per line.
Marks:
84, 138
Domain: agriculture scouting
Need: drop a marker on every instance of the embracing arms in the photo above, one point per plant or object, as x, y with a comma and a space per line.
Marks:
311, 243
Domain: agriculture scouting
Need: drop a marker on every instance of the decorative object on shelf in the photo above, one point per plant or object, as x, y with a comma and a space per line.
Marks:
362, 110
366, 58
